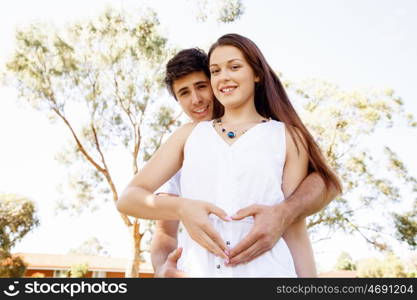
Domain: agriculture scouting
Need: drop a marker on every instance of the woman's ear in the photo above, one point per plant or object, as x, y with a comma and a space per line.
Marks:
257, 79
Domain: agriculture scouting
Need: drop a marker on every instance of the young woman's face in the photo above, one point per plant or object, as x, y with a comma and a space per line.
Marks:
232, 78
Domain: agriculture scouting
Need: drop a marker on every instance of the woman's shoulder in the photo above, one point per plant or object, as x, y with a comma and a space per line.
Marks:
293, 135
282, 125
276, 122
295, 138
277, 125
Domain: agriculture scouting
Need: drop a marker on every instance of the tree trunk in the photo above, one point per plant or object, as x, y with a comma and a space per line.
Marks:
132, 268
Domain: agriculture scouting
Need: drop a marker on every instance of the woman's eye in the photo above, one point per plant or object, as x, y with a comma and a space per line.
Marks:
235, 67
214, 71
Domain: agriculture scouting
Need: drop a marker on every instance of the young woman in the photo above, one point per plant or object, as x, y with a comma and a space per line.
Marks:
256, 152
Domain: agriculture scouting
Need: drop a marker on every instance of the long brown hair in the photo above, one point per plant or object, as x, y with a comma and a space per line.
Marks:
271, 101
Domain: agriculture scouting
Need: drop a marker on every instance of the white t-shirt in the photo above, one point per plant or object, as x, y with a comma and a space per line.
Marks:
172, 186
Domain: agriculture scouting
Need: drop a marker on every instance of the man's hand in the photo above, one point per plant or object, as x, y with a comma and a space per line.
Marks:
169, 268
194, 214
270, 223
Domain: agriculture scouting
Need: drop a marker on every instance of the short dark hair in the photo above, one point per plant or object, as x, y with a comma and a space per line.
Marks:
183, 63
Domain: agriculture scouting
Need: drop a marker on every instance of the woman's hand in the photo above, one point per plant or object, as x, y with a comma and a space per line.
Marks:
194, 214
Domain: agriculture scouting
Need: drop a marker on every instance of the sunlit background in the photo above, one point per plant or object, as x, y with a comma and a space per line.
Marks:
354, 44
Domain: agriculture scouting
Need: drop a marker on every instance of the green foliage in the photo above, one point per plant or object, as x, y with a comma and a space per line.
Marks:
391, 266
101, 78
345, 262
411, 266
222, 11
110, 70
370, 268
406, 225
164, 123
91, 246
374, 183
230, 11
17, 218
78, 271
11, 266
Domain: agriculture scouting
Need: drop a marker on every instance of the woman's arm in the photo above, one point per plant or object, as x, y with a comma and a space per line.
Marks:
295, 170
138, 199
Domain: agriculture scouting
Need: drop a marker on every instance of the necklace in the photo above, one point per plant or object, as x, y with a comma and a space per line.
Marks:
231, 134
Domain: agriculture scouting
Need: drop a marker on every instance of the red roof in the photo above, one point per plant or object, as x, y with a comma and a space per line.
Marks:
65, 261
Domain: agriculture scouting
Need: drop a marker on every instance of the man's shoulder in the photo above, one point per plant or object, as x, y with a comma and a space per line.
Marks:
181, 134
186, 128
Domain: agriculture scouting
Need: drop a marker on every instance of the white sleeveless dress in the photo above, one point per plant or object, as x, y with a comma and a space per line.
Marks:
232, 177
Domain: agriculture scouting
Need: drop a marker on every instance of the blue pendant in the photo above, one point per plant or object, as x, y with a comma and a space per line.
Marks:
231, 134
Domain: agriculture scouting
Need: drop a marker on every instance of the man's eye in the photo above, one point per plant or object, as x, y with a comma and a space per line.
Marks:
202, 86
183, 93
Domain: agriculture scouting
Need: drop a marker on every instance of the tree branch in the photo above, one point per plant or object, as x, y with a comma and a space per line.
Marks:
136, 150
107, 175
372, 242
136, 127
166, 128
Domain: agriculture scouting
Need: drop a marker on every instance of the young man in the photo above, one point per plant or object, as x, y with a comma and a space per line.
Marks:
187, 79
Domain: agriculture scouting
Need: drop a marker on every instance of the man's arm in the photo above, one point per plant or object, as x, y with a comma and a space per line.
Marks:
164, 252
310, 197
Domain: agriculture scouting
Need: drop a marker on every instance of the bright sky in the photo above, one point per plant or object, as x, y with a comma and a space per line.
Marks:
356, 44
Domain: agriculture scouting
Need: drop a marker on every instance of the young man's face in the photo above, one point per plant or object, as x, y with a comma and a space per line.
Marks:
194, 94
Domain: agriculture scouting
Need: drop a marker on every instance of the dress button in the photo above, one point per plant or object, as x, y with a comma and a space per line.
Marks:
218, 266
227, 243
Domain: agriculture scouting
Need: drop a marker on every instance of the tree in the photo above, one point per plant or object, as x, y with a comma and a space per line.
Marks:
411, 266
91, 246
370, 268
374, 183
222, 11
110, 69
345, 262
78, 271
390, 266
11, 266
17, 218
406, 226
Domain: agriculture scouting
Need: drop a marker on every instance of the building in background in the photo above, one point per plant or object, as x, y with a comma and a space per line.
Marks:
57, 265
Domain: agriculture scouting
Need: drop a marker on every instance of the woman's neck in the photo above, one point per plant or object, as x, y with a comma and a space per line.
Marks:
241, 115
